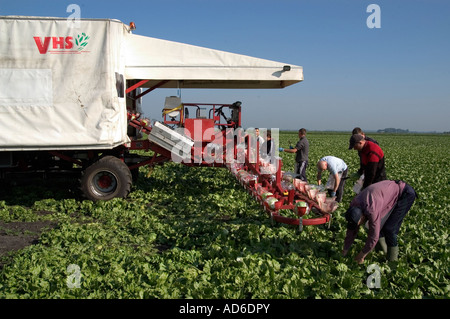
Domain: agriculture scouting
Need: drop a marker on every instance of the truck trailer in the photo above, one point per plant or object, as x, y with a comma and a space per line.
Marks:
70, 99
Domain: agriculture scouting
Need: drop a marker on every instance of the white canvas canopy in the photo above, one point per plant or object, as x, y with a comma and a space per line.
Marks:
62, 85
58, 84
189, 66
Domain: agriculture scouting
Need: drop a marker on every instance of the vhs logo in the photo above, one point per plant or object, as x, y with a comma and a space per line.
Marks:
62, 45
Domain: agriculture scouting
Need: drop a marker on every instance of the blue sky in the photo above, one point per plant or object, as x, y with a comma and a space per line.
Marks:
394, 76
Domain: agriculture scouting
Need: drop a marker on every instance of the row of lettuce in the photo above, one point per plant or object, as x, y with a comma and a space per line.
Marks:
195, 233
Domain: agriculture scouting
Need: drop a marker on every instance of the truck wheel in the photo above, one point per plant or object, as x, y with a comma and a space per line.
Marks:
107, 178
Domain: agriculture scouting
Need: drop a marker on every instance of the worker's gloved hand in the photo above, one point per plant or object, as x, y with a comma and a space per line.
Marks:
354, 176
331, 193
281, 149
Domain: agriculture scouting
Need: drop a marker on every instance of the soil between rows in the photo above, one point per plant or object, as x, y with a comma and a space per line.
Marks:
18, 235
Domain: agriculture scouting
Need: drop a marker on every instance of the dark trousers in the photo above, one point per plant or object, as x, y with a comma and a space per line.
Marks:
300, 170
392, 226
340, 190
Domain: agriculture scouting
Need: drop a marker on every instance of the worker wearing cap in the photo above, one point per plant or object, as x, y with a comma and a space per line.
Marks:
383, 206
358, 130
372, 159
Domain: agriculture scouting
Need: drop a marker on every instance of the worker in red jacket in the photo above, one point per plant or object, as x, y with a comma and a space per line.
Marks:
372, 159
358, 130
383, 206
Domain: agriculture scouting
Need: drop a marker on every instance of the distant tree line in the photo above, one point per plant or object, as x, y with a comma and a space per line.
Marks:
393, 130
399, 130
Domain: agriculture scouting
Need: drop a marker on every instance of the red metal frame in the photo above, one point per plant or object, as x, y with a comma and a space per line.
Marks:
150, 89
135, 86
213, 108
286, 199
135, 121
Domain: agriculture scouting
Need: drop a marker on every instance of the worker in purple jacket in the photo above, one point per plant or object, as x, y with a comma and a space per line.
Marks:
383, 206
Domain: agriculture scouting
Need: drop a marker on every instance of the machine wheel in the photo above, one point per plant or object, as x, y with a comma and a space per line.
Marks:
107, 178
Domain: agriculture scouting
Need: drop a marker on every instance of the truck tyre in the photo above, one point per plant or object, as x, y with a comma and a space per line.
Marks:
107, 178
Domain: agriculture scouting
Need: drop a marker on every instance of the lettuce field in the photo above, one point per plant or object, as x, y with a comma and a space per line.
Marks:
196, 233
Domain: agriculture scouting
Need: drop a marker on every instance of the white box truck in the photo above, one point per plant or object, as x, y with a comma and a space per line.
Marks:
69, 95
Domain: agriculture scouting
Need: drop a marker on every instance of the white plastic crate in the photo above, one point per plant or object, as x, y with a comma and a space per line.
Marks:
179, 145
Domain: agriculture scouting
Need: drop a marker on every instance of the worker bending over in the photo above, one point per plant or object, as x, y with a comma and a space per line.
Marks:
384, 206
